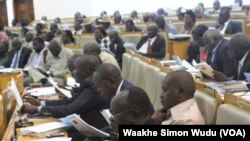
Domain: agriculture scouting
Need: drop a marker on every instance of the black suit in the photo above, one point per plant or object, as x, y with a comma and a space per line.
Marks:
232, 27
23, 59
245, 68
222, 62
118, 51
87, 102
158, 47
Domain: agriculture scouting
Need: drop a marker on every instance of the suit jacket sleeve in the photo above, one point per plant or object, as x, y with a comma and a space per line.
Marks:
25, 57
159, 48
87, 100
226, 62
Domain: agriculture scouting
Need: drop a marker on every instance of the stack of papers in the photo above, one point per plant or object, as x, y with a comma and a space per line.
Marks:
179, 36
9, 70
229, 86
62, 91
45, 91
44, 129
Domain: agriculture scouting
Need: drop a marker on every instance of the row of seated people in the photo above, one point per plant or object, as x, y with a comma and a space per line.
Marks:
101, 82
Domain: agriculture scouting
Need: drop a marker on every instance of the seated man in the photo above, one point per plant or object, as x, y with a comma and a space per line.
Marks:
4, 47
225, 26
129, 107
130, 26
18, 56
109, 81
92, 47
177, 98
152, 45
86, 102
116, 46
56, 61
217, 49
238, 51
36, 61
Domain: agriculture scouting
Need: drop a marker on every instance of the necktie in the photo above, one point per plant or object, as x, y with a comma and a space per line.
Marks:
15, 63
149, 50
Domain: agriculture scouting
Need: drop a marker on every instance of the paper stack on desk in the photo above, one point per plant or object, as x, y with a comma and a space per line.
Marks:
44, 129
45, 91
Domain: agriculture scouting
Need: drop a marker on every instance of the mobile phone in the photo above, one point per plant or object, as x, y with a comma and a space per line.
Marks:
55, 135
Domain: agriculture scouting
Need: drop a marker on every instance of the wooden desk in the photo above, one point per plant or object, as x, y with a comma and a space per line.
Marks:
248, 30
178, 48
10, 129
6, 78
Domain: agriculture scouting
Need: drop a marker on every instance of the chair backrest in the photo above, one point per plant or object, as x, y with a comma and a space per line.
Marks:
140, 74
160, 78
85, 38
126, 63
151, 73
9, 104
133, 68
143, 27
133, 37
2, 125
208, 106
230, 114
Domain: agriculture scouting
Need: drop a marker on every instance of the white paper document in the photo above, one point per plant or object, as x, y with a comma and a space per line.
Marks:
85, 128
45, 91
9, 70
189, 67
106, 114
15, 92
72, 82
43, 128
63, 91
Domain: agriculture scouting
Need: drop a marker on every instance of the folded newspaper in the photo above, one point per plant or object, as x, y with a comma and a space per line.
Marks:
85, 128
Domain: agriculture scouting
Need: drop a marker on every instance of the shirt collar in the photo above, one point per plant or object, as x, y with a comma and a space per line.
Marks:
178, 109
119, 88
216, 47
241, 62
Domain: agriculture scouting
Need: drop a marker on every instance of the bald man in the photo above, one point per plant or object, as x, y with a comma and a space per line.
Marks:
93, 47
152, 45
217, 48
177, 98
87, 102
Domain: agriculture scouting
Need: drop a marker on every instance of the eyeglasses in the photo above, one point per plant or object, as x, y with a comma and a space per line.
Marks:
121, 113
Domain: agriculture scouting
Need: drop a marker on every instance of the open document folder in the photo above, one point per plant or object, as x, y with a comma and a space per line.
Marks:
85, 128
204, 69
62, 91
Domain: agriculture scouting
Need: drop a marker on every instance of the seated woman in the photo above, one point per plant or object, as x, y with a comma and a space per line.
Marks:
189, 22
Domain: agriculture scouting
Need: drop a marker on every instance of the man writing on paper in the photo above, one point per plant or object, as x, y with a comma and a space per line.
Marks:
87, 102
217, 49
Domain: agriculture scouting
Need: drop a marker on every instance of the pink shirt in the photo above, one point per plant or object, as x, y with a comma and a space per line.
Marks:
185, 113
3, 37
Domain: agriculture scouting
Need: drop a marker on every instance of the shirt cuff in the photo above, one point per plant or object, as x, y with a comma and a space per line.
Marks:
42, 103
39, 109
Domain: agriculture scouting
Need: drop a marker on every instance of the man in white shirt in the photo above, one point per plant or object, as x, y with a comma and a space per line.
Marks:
225, 26
177, 98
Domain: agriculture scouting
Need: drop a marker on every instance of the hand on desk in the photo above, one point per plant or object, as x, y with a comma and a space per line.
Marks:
32, 100
30, 109
219, 76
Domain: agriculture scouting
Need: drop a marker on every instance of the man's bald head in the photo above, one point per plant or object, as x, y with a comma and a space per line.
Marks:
211, 38
85, 66
92, 47
107, 78
177, 87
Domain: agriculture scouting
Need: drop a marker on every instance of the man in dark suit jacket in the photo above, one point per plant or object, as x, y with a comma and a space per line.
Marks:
225, 25
18, 56
116, 46
87, 102
152, 45
239, 51
217, 48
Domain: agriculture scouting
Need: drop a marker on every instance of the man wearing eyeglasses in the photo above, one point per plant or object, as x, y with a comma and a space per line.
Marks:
129, 107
